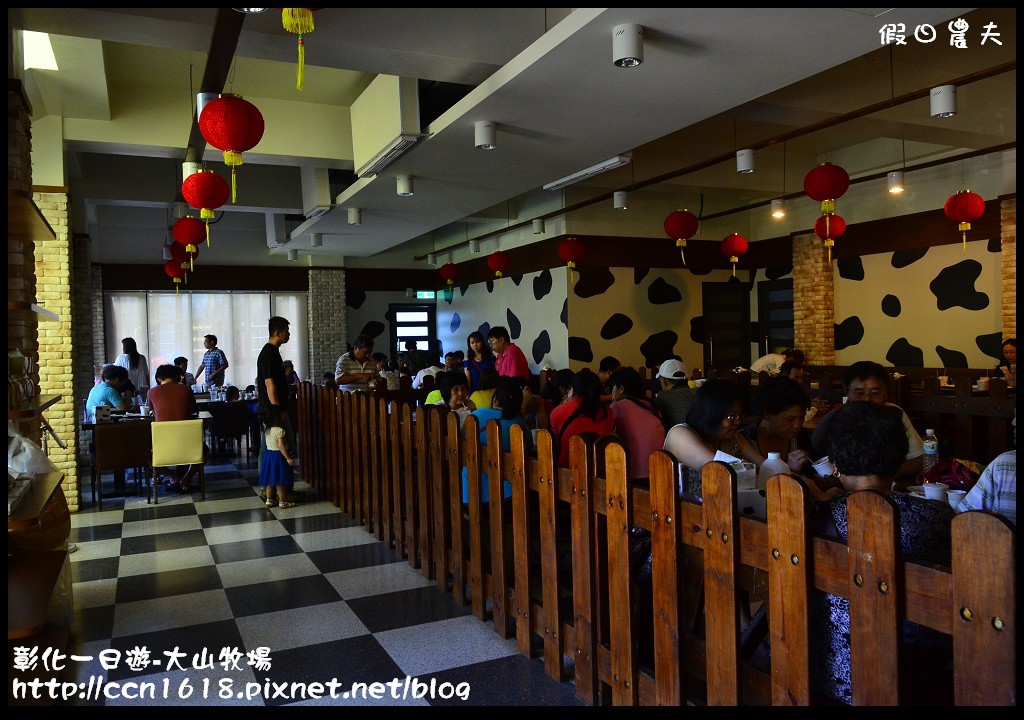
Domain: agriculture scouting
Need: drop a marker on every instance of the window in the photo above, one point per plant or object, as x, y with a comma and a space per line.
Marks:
166, 325
412, 322
775, 315
726, 325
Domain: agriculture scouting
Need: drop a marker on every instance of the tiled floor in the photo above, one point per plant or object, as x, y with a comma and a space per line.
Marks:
326, 598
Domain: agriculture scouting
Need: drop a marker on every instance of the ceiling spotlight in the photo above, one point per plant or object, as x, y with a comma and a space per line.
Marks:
202, 99
293, 255
627, 45
538, 226
431, 258
619, 199
895, 181
778, 208
474, 246
745, 161
405, 185
485, 134
180, 209
167, 252
355, 216
943, 101
189, 168
316, 240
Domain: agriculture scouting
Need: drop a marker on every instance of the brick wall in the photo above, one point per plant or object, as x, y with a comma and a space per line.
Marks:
56, 340
327, 320
813, 301
82, 311
1008, 223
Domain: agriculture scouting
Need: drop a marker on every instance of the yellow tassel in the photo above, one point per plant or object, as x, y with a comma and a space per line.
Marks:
828, 245
302, 64
828, 206
207, 214
192, 263
207, 234
234, 190
232, 157
571, 264
297, 20
681, 244
734, 260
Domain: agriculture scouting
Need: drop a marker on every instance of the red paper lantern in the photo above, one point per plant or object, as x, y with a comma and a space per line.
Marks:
449, 273
498, 262
571, 251
188, 232
681, 225
232, 125
300, 22
207, 191
964, 207
733, 246
825, 183
828, 227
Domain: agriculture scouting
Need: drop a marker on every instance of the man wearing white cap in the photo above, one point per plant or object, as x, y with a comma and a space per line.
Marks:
676, 395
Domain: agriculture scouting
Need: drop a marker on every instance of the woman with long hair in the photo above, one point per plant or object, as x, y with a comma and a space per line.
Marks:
478, 358
582, 412
136, 365
637, 420
1007, 367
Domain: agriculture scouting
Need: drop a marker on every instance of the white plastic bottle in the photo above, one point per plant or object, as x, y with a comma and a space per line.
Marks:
931, 449
772, 466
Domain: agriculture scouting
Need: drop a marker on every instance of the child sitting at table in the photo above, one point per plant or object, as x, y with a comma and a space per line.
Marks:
276, 470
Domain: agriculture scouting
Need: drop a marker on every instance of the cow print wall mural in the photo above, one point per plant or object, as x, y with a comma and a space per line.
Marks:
936, 308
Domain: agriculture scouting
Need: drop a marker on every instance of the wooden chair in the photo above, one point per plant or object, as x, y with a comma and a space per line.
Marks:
178, 442
231, 421
124, 445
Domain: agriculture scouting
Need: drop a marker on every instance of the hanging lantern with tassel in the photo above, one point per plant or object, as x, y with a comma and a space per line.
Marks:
233, 126
300, 22
826, 183
206, 191
828, 227
449, 273
571, 251
681, 225
733, 246
174, 271
498, 262
179, 256
188, 232
964, 207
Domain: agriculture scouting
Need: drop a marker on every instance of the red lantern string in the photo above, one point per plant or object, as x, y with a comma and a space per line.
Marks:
188, 232
964, 207
571, 251
207, 191
175, 272
733, 246
232, 125
499, 263
825, 183
681, 225
828, 227
449, 273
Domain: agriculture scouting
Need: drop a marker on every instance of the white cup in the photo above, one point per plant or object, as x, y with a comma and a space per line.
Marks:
935, 491
955, 496
824, 467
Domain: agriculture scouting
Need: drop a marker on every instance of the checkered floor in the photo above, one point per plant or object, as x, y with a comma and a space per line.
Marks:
326, 598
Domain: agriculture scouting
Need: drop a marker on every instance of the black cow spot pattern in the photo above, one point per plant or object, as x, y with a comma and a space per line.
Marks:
849, 332
580, 350
774, 273
639, 274
485, 327
593, 281
661, 292
991, 345
490, 286
903, 258
903, 353
355, 299
456, 323
514, 325
954, 287
851, 268
542, 284
541, 346
616, 326
891, 306
658, 348
564, 315
995, 245
699, 271
951, 358
390, 315
697, 330
463, 289
517, 279
373, 329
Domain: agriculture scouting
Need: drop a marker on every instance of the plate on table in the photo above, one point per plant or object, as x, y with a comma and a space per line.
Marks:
917, 491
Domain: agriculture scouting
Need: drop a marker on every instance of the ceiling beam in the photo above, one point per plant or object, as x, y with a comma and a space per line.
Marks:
224, 41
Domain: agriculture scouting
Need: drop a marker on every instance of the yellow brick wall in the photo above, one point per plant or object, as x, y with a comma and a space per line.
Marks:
813, 301
1008, 222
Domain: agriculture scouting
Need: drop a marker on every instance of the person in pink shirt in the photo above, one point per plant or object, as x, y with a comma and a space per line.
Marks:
637, 420
509, 359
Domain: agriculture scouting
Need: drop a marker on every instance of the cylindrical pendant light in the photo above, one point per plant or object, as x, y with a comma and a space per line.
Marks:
355, 216
627, 45
943, 101
405, 185
316, 240
474, 246
431, 258
293, 255
894, 180
745, 161
202, 99
620, 199
778, 208
538, 226
189, 168
485, 134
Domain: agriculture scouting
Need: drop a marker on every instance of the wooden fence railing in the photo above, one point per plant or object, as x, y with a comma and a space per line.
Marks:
552, 565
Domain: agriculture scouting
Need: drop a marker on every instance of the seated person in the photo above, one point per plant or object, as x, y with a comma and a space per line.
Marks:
187, 378
868, 445
109, 392
637, 421
433, 370
489, 378
557, 388
328, 380
676, 395
793, 371
172, 400
508, 397
582, 412
608, 365
451, 362
232, 394
996, 489
290, 375
772, 362
454, 389
867, 380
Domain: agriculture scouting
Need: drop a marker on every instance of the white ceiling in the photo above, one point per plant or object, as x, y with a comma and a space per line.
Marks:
713, 80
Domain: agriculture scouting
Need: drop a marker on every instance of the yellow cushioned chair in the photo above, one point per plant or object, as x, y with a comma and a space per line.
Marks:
178, 442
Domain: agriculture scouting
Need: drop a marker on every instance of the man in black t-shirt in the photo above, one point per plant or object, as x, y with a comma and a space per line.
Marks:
271, 382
